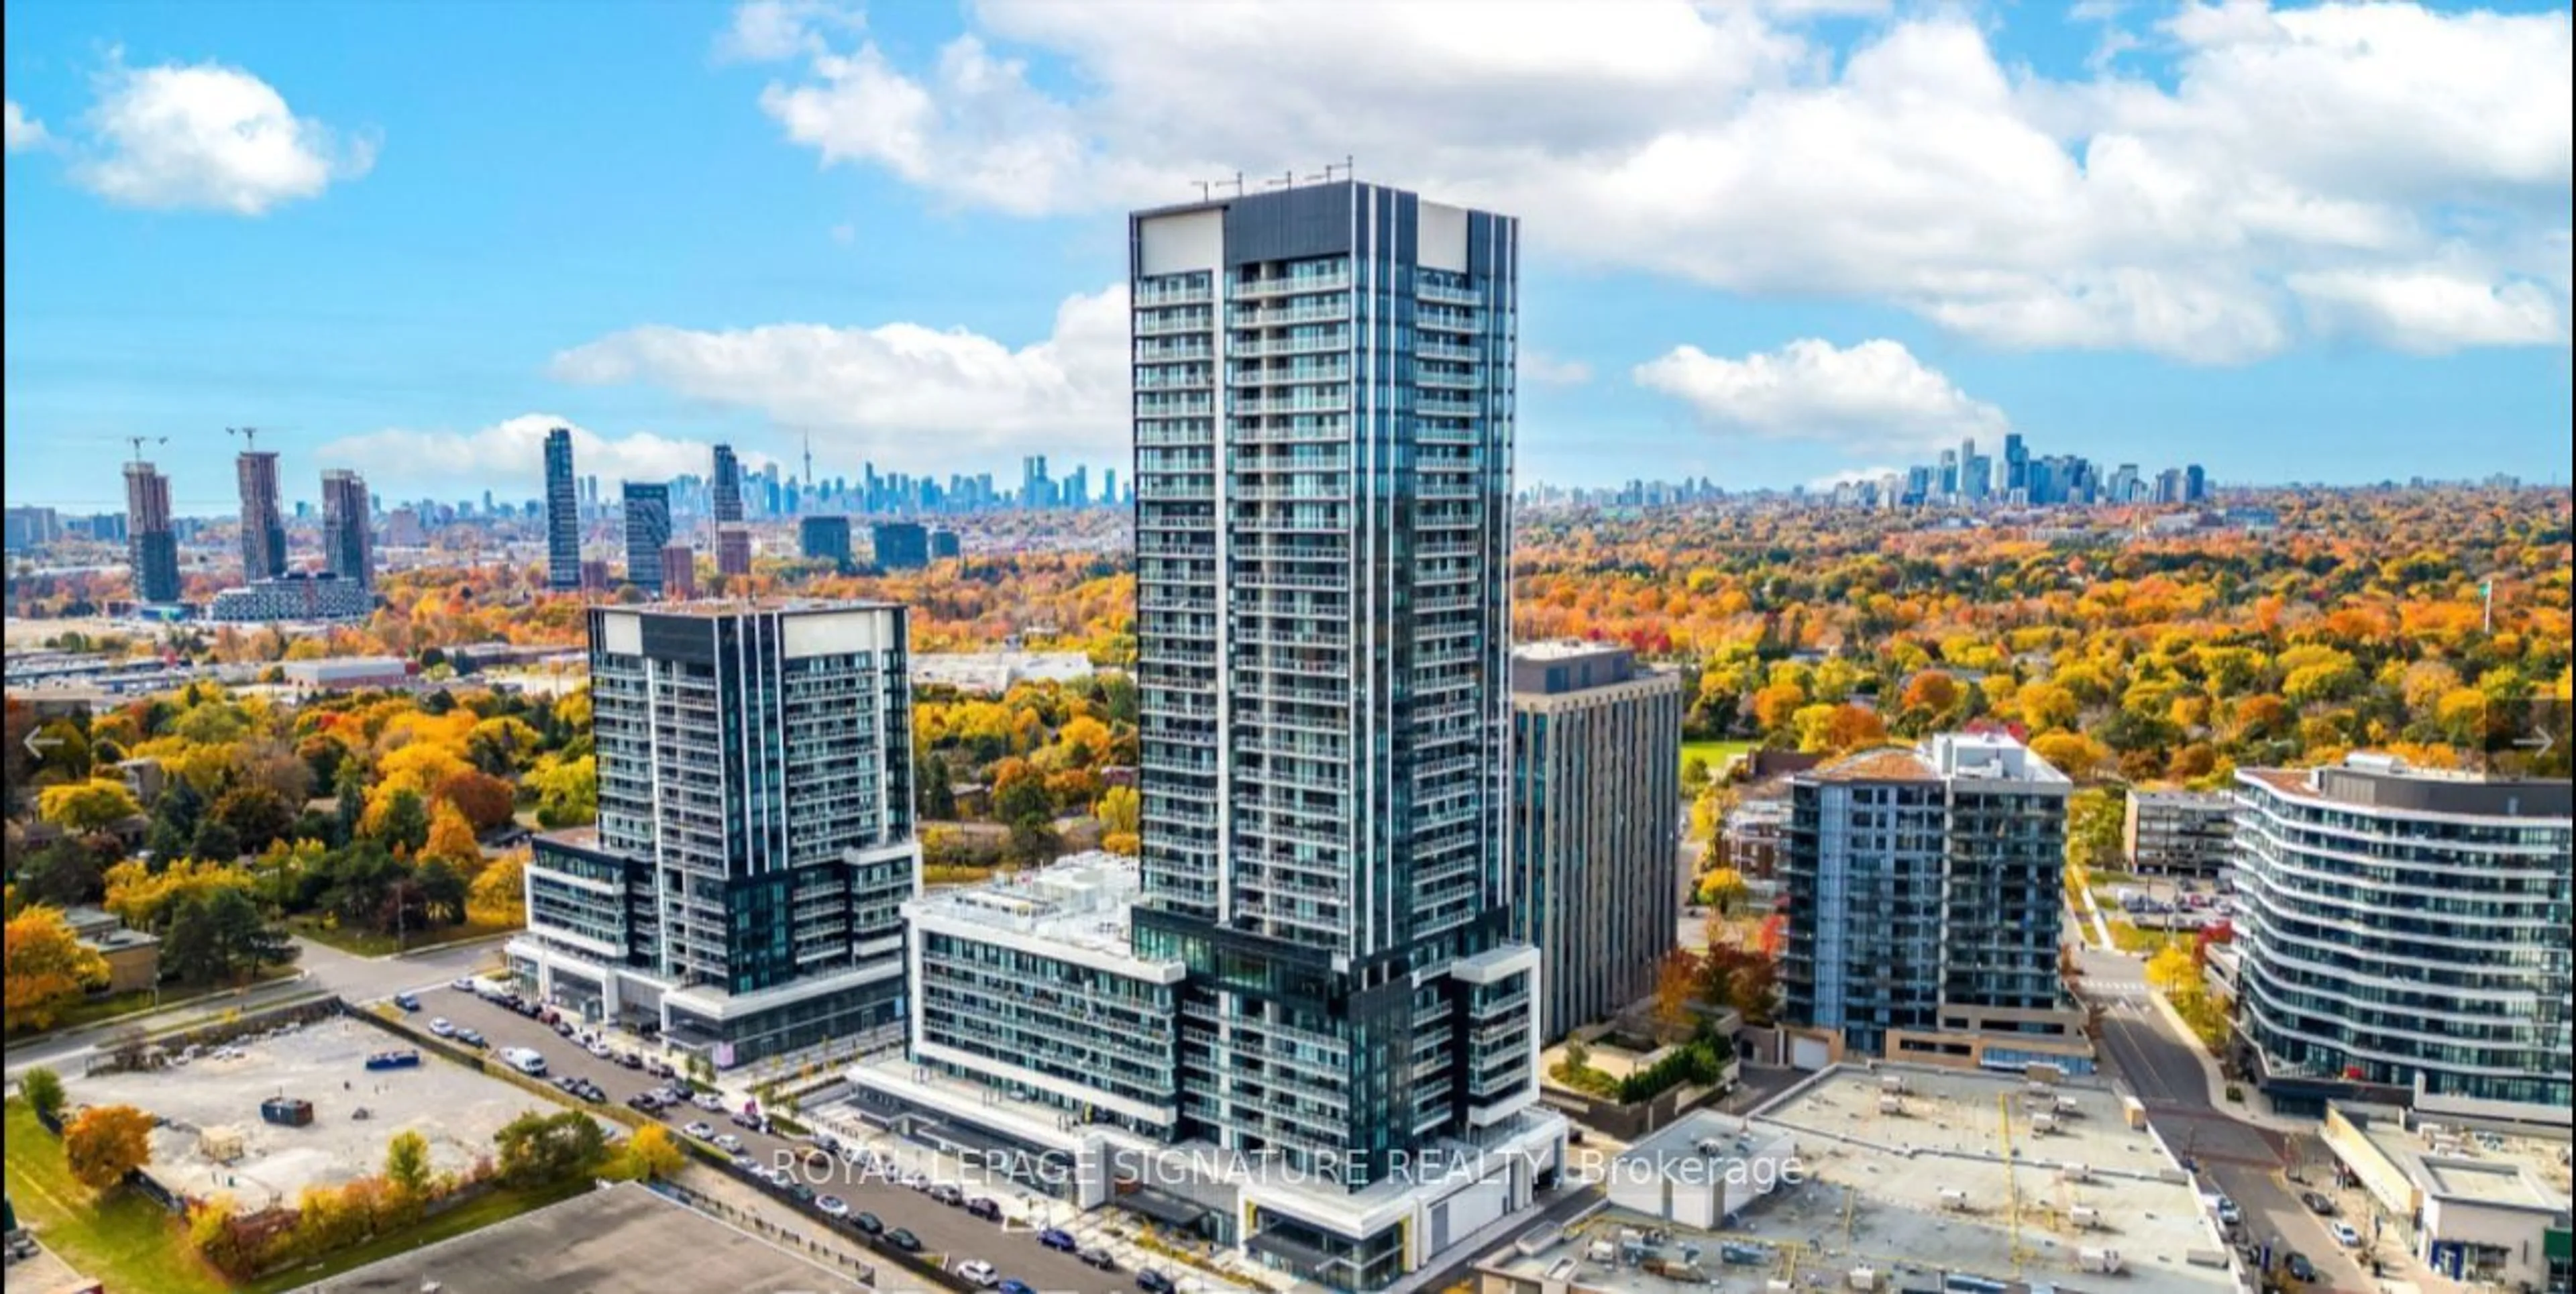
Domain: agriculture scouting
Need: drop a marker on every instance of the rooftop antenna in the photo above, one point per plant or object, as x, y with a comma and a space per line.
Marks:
1344, 168
1204, 186
1287, 180
249, 435
1238, 184
139, 441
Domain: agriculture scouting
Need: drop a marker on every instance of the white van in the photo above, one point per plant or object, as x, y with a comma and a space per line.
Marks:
526, 1061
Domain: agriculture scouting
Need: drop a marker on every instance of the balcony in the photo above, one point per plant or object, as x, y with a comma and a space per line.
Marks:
1329, 402
1289, 285
1443, 348
1326, 310
1446, 294
1171, 294
1449, 319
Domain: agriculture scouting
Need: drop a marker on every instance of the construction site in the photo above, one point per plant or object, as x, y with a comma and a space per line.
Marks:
1892, 1178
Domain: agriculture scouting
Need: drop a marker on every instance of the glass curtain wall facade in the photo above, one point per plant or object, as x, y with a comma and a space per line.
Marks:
1323, 425
646, 515
563, 514
2406, 930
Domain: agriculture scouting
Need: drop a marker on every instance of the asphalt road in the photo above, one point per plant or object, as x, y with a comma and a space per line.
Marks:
944, 1230
324, 970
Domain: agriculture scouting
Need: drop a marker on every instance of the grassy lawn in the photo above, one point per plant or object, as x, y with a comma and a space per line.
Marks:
2128, 938
368, 943
135, 1003
470, 1216
127, 1242
1718, 753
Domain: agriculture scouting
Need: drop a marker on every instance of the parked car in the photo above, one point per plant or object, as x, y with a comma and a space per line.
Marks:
472, 1038
902, 1240
2317, 1203
701, 1130
1100, 1258
1154, 1282
984, 1207
832, 1206
1057, 1238
800, 1192
727, 1142
948, 1193
441, 1027
743, 1119
708, 1101
563, 1026
630, 1060
407, 1001
979, 1273
2345, 1235
2299, 1267
462, 983
917, 1180
1011, 1286
868, 1224
645, 1101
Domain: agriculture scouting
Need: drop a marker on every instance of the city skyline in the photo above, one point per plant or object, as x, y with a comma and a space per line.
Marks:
973, 315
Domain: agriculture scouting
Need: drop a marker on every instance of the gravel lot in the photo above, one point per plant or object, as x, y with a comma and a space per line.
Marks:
455, 1108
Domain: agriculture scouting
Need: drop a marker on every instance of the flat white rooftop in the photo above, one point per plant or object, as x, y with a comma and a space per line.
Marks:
1927, 1190
1080, 901
2477, 1166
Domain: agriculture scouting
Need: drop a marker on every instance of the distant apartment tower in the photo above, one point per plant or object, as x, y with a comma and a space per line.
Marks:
2403, 939
263, 527
944, 544
2178, 833
645, 512
348, 533
742, 889
151, 546
595, 575
679, 573
724, 490
733, 550
1596, 745
33, 528
1924, 890
1036, 491
901, 545
825, 539
563, 513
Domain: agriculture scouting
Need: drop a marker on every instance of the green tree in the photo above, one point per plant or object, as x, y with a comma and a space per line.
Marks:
215, 842
256, 814
405, 825
442, 890
537, 1150
407, 1164
188, 952
43, 1089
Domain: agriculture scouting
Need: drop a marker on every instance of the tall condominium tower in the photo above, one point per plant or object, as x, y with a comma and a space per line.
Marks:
2404, 939
563, 513
724, 489
1924, 893
1594, 783
263, 527
743, 887
646, 515
348, 540
151, 546
1344, 1033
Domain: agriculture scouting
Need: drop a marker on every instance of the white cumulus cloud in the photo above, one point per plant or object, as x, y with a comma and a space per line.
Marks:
2432, 311
1872, 396
24, 132
515, 449
211, 137
765, 31
1734, 146
938, 398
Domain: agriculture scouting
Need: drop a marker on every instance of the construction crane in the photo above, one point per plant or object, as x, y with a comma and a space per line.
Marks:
249, 435
140, 441
2012, 1181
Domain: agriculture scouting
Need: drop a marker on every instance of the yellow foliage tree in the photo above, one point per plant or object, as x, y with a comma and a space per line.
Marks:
47, 968
2172, 969
498, 896
105, 1142
82, 807
143, 896
451, 839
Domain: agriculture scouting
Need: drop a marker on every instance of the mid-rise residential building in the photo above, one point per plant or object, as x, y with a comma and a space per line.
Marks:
152, 547
31, 527
2403, 937
944, 544
563, 514
1924, 894
1755, 836
900, 545
263, 525
1596, 742
679, 573
1323, 430
645, 513
348, 533
296, 595
825, 539
743, 887
2178, 833
733, 550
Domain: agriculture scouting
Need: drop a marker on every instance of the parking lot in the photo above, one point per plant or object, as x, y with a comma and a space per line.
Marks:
355, 1111
946, 1232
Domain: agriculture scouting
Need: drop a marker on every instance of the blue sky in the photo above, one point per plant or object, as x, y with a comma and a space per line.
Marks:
1764, 244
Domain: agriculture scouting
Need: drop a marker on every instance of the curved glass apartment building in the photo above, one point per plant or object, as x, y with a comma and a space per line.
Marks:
2405, 937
